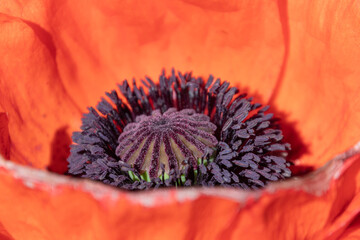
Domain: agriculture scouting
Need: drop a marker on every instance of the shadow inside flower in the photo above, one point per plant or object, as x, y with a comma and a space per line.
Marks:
4, 136
60, 150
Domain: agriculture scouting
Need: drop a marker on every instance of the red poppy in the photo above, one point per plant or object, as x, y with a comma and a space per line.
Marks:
57, 58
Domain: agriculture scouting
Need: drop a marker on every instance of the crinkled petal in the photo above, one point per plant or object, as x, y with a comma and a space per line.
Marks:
240, 42
353, 231
34, 102
40, 205
59, 56
58, 60
319, 91
4, 235
300, 56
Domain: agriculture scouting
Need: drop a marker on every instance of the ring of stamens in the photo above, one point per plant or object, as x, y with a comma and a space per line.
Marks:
121, 140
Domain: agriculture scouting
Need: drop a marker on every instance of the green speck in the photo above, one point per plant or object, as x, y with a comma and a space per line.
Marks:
205, 161
145, 176
164, 177
183, 179
195, 174
133, 176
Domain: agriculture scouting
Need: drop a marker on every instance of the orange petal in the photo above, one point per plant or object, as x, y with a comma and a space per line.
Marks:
242, 43
319, 90
307, 52
82, 57
4, 235
353, 231
294, 54
40, 205
32, 93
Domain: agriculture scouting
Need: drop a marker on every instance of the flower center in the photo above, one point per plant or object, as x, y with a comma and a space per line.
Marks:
175, 139
183, 131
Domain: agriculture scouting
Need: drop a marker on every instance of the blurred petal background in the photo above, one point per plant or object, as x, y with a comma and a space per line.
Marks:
58, 57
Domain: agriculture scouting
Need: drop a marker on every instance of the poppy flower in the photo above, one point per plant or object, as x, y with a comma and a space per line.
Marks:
300, 58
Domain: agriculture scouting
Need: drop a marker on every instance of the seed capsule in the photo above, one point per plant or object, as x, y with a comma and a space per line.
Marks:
167, 139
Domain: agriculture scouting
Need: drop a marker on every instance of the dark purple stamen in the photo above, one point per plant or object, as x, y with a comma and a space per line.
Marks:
184, 131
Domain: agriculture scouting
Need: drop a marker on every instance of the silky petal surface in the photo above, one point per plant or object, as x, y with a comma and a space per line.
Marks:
72, 57
58, 57
41, 205
33, 102
300, 57
320, 86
